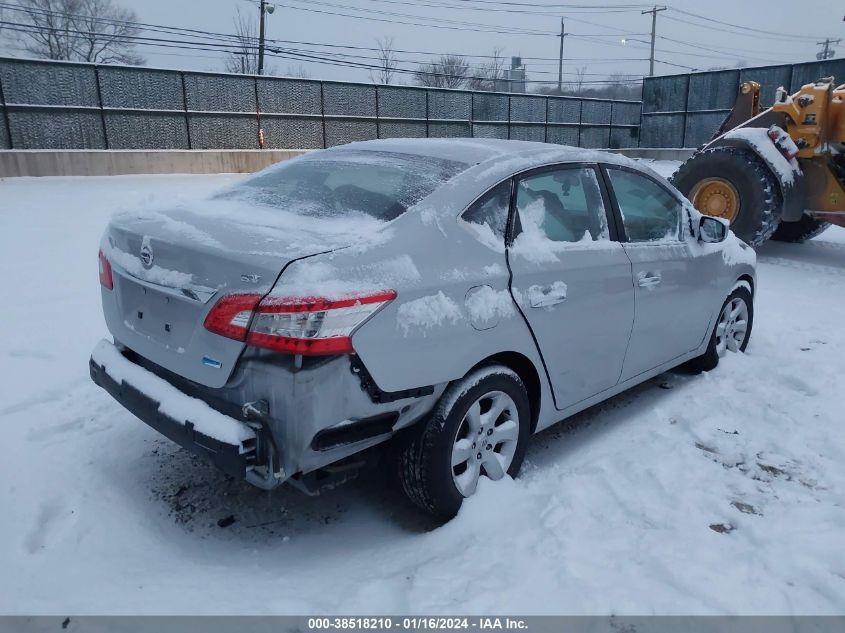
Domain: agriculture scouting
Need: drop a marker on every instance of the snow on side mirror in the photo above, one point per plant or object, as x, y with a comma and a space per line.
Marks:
712, 230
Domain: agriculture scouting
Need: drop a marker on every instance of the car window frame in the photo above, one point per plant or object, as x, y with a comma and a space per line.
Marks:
510, 180
535, 171
617, 212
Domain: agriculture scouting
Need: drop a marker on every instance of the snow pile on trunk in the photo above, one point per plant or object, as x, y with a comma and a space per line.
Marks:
270, 231
155, 274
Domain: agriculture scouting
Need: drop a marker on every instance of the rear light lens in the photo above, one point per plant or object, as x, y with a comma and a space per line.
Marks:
230, 316
311, 326
106, 279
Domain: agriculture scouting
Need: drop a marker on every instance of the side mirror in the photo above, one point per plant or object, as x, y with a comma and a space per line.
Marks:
712, 230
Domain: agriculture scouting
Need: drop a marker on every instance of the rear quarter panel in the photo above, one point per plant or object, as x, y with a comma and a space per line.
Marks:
430, 334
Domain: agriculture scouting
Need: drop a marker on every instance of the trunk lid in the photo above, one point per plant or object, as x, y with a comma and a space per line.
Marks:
171, 266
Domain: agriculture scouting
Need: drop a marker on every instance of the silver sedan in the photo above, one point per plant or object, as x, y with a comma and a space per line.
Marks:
445, 298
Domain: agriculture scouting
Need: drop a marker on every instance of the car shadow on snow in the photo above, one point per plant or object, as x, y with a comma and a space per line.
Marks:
203, 501
551, 446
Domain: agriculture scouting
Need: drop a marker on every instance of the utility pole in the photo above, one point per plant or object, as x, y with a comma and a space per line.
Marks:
828, 51
560, 59
653, 12
262, 7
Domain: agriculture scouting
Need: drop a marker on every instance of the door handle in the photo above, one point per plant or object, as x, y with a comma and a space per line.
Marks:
648, 280
546, 296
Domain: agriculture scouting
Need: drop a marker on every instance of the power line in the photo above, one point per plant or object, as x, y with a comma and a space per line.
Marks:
231, 39
463, 7
741, 27
285, 54
435, 26
235, 48
723, 30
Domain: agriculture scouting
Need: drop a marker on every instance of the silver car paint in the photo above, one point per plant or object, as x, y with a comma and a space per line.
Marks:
446, 258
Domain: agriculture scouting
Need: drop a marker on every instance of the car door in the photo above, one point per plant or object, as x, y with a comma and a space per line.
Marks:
571, 278
670, 284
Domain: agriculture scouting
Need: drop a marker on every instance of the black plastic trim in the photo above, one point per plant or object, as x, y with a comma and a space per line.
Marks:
356, 366
357, 431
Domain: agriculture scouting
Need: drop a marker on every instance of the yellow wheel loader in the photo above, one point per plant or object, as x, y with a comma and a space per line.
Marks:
777, 173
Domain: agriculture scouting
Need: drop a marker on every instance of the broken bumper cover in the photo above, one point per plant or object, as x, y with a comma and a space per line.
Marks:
228, 443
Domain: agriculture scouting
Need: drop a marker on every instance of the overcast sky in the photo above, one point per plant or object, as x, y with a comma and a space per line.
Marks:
698, 43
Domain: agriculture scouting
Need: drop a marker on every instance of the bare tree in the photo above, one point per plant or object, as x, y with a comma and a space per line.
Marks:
621, 86
300, 72
446, 71
578, 84
79, 30
244, 59
484, 77
387, 62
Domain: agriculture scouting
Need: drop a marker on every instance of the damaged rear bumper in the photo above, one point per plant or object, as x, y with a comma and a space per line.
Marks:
230, 444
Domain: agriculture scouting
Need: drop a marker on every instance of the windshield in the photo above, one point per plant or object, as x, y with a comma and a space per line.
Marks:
382, 185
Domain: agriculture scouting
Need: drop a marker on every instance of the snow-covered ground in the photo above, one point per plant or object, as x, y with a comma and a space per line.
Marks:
722, 493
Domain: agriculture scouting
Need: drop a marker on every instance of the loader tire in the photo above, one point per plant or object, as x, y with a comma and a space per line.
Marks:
760, 204
804, 229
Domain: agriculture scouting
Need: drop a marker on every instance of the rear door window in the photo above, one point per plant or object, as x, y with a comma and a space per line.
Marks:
489, 214
562, 205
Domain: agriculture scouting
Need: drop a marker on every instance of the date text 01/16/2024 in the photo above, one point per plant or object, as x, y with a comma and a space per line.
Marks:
416, 623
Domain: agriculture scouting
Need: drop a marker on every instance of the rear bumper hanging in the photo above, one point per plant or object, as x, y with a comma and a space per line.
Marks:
236, 457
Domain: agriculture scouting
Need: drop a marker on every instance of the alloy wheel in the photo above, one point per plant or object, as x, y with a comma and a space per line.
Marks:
732, 327
485, 442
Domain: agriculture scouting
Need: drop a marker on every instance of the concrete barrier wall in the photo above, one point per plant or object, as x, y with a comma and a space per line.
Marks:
116, 162
655, 153
14, 163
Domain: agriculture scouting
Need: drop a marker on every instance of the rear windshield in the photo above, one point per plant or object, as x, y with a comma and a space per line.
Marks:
382, 185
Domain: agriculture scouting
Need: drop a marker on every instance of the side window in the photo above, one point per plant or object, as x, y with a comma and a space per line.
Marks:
491, 210
649, 212
564, 205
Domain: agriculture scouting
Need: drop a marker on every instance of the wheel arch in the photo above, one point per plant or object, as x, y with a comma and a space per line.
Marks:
750, 280
527, 372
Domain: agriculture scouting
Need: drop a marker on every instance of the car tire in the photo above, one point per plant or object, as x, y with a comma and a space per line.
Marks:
804, 229
719, 343
430, 476
760, 202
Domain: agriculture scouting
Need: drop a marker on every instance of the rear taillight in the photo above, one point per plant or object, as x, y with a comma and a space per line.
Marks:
311, 326
230, 316
106, 280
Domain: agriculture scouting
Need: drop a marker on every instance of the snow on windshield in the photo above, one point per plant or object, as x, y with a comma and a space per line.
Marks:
381, 185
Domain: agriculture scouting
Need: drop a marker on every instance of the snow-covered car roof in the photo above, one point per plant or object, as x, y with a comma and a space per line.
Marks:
481, 150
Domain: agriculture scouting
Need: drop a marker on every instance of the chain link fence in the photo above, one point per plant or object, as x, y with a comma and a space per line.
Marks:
63, 105
686, 110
